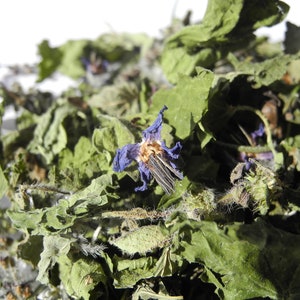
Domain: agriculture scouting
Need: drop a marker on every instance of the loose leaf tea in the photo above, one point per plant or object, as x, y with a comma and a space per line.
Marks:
171, 170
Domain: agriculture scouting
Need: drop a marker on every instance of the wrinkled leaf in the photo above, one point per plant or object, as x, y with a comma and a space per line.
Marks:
54, 247
146, 293
50, 135
111, 135
85, 159
93, 195
243, 260
181, 116
263, 73
26, 220
71, 64
51, 58
81, 276
142, 240
130, 271
225, 27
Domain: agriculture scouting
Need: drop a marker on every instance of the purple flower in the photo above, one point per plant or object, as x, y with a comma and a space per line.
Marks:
258, 133
94, 65
154, 158
255, 135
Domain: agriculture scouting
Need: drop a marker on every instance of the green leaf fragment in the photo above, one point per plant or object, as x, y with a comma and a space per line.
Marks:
84, 161
143, 240
63, 216
67, 58
226, 26
111, 135
58, 218
168, 263
93, 195
119, 99
262, 73
25, 220
183, 115
54, 247
50, 59
293, 72
81, 276
130, 271
50, 136
292, 146
121, 46
243, 261
144, 292
72, 53
3, 184
176, 62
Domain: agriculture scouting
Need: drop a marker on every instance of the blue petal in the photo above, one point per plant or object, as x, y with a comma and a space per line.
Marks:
172, 153
264, 156
259, 132
145, 177
125, 156
153, 132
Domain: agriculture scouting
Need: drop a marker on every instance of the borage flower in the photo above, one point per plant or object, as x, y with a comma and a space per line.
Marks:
154, 158
253, 140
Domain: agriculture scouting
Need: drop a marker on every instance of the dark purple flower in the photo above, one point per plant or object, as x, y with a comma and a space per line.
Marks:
268, 155
258, 133
154, 158
94, 65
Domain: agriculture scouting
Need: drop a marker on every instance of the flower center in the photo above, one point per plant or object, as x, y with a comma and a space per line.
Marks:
148, 148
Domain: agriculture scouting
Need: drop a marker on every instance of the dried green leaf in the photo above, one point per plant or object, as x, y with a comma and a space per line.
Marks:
144, 292
62, 216
262, 73
112, 134
292, 146
25, 220
142, 240
181, 116
81, 276
226, 26
50, 136
130, 271
56, 218
168, 263
94, 195
72, 53
3, 184
85, 160
293, 71
54, 247
51, 58
243, 261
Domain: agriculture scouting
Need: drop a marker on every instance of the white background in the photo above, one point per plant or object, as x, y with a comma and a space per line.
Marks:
25, 23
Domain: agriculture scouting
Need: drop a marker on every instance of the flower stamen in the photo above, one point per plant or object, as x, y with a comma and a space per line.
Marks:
148, 148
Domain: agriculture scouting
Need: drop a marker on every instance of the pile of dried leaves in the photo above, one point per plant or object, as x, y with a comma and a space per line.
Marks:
77, 229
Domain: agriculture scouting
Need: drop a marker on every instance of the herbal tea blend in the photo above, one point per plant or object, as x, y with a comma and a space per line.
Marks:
170, 171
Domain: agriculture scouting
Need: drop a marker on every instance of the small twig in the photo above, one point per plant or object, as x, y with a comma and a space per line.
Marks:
44, 188
242, 148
